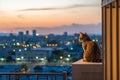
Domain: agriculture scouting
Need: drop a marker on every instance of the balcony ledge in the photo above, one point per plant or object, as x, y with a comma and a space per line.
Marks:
86, 70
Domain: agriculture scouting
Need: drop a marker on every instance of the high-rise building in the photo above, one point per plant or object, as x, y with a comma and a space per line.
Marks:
20, 36
11, 34
20, 33
27, 33
34, 33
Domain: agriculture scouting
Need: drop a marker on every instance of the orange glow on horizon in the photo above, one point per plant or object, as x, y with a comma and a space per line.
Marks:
48, 14
47, 21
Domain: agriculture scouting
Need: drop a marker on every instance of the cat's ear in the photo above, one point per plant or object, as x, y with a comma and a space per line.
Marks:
81, 33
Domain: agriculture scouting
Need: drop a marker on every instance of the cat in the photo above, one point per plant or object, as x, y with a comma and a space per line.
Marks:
91, 49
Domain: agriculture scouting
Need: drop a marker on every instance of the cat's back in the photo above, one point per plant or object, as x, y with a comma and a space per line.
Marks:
89, 44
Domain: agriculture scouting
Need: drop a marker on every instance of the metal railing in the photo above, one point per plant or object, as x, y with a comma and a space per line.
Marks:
33, 76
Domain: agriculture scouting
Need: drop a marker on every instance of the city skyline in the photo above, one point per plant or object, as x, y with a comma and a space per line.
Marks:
34, 14
59, 30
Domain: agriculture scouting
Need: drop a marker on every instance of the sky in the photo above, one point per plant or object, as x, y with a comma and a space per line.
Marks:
29, 14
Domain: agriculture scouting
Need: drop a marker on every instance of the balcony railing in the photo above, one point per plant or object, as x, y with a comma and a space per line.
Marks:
33, 76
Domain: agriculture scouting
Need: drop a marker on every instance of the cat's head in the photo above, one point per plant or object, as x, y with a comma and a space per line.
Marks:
84, 37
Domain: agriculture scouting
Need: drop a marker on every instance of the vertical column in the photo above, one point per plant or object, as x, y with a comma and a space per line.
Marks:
103, 42
108, 43
111, 54
117, 34
105, 47
114, 42
119, 40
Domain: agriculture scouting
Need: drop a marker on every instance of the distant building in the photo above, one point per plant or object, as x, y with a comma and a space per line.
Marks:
20, 33
11, 34
20, 36
27, 33
35, 54
34, 33
65, 34
52, 44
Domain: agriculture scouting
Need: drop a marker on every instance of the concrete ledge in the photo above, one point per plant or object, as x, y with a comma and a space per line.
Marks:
86, 70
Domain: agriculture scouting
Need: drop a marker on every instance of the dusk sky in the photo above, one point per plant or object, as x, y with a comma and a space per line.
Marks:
29, 14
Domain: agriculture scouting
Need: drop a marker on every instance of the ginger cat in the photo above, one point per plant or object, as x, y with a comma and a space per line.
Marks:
91, 49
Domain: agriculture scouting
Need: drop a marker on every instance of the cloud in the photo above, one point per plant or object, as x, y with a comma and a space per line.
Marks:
60, 8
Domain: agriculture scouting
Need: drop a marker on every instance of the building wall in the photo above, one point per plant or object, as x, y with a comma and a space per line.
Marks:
111, 38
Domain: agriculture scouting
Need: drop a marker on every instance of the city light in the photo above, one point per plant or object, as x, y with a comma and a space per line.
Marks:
2, 59
36, 57
27, 45
38, 45
25, 49
46, 36
13, 39
18, 44
42, 59
50, 45
56, 44
61, 57
47, 45
68, 43
24, 45
14, 50
14, 44
71, 48
96, 40
93, 40
22, 57
30, 45
53, 45
37, 34
69, 55
4, 46
18, 59
67, 59
34, 47
20, 50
